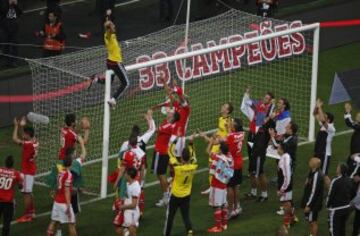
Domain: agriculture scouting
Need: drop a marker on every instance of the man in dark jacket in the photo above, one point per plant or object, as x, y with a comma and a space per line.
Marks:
340, 194
355, 138
9, 17
313, 195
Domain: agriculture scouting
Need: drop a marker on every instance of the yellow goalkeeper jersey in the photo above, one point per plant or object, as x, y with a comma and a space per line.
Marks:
223, 123
183, 173
113, 47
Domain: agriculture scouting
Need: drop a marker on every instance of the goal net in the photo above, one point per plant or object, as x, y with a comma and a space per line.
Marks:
281, 64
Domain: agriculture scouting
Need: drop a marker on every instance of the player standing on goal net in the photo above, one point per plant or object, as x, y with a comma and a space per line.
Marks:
114, 62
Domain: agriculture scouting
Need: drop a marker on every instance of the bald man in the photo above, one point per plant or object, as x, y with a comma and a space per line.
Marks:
313, 194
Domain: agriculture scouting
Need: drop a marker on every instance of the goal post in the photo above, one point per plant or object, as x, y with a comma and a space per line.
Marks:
225, 53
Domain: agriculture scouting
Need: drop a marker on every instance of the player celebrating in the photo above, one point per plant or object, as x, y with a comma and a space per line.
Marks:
282, 117
324, 138
222, 170
160, 160
10, 178
182, 106
313, 195
285, 184
235, 142
142, 141
184, 170
62, 211
221, 133
68, 135
76, 171
133, 157
114, 62
28, 165
131, 204
257, 112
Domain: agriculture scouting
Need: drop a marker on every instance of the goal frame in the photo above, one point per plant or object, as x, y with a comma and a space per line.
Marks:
314, 77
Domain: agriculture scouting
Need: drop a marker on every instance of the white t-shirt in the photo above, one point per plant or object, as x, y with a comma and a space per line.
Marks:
133, 190
330, 135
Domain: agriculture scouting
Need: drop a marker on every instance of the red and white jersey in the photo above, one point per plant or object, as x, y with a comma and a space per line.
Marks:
163, 137
217, 170
181, 125
235, 142
68, 138
133, 190
9, 178
65, 179
133, 158
29, 153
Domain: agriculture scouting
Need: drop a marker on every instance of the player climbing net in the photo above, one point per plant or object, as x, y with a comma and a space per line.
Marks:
223, 57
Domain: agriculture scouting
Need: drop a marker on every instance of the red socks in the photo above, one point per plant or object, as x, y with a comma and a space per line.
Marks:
142, 202
218, 217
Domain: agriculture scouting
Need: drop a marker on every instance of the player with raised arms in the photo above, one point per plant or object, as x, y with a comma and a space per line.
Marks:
68, 134
114, 62
257, 111
76, 171
142, 141
30, 148
222, 170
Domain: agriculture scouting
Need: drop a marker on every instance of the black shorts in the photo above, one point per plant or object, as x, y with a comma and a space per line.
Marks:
160, 163
236, 179
256, 165
311, 216
75, 202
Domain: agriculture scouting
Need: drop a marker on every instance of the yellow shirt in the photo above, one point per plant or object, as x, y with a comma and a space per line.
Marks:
175, 161
223, 126
113, 47
182, 183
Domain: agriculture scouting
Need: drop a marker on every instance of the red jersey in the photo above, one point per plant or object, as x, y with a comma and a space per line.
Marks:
181, 125
29, 153
68, 139
65, 179
133, 158
163, 137
8, 180
235, 143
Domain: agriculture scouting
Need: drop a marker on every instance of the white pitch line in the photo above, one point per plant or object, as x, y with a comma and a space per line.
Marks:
44, 8
126, 3
78, 1
157, 182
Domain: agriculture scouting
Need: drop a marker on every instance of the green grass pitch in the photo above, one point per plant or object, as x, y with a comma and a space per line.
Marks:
257, 219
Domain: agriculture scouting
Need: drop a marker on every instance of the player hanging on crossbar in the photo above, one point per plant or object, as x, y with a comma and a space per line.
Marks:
114, 62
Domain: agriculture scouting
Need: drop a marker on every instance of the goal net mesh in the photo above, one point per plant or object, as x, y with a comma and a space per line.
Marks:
59, 83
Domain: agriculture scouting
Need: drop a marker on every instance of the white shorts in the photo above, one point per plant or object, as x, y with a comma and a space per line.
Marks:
28, 184
286, 197
217, 197
58, 214
131, 218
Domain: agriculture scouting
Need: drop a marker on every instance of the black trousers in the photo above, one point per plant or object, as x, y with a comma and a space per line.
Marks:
120, 72
337, 222
356, 224
166, 9
51, 53
174, 204
7, 212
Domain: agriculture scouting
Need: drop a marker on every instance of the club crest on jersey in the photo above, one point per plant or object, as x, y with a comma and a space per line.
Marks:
224, 60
